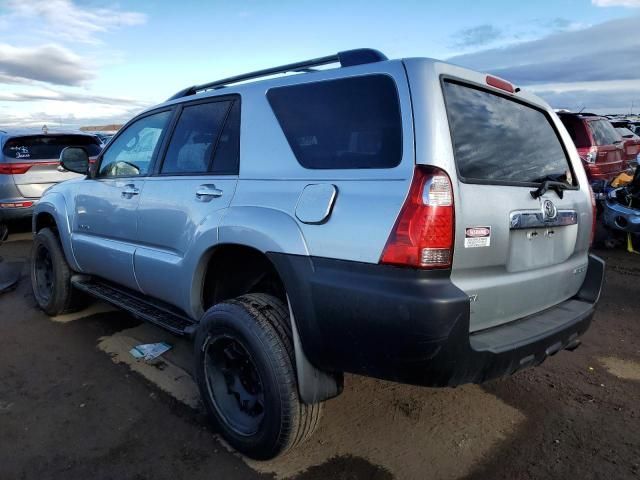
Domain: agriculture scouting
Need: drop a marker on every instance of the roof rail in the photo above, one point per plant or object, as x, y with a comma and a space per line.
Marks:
347, 58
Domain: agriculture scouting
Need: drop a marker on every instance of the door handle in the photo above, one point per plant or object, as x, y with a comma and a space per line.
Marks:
129, 191
204, 193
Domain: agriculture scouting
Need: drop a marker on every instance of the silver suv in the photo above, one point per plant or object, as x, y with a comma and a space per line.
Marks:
408, 220
29, 164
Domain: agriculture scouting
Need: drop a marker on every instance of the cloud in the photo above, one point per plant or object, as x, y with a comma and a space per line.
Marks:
47, 63
476, 36
593, 54
72, 116
60, 96
616, 3
69, 22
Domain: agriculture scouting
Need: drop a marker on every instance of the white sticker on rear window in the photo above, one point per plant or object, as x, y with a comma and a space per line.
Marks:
22, 152
477, 237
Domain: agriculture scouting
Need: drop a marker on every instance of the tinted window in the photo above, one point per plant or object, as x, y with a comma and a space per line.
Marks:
346, 123
625, 132
577, 130
498, 139
41, 147
227, 154
130, 154
603, 132
195, 137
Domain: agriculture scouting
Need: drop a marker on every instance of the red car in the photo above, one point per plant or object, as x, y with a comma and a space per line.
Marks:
599, 145
631, 141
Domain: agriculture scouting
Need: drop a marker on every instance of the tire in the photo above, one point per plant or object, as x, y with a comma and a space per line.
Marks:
53, 290
266, 419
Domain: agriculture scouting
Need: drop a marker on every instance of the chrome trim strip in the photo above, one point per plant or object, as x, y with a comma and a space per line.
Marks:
535, 219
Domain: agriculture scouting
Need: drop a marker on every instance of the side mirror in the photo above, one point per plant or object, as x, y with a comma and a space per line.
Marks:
75, 159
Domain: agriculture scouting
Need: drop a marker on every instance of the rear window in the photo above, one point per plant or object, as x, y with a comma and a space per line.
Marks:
349, 123
625, 132
603, 132
41, 147
496, 139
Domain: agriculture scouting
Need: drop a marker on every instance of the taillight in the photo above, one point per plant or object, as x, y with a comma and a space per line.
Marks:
588, 155
423, 234
594, 208
21, 168
14, 168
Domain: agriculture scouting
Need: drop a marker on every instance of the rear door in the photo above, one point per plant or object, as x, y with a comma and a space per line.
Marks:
37, 160
187, 195
514, 254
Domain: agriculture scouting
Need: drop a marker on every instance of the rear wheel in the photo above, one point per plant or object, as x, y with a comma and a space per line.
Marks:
246, 374
51, 276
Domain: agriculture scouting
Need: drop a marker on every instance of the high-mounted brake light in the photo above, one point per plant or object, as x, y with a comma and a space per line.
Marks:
22, 167
499, 83
423, 234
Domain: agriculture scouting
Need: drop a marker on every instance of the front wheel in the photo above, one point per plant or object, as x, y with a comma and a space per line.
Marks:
246, 374
51, 276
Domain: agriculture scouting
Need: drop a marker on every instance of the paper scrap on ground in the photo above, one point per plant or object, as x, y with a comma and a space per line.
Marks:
149, 351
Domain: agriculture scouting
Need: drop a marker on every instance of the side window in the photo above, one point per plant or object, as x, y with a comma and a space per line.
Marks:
130, 154
195, 137
345, 123
227, 155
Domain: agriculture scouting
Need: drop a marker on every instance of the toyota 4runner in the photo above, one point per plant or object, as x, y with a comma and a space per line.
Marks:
408, 220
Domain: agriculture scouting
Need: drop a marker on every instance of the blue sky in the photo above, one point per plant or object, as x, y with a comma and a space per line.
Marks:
79, 62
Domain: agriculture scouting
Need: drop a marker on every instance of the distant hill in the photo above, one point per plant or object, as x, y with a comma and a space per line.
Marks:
102, 128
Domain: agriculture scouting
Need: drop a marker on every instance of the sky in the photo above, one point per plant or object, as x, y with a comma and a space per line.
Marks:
94, 62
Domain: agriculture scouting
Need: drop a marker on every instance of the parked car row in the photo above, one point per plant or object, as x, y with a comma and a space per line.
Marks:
606, 148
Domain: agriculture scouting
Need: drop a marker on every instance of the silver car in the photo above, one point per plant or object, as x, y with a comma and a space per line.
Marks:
408, 219
29, 164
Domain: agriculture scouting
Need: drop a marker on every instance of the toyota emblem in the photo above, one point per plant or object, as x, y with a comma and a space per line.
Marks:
549, 210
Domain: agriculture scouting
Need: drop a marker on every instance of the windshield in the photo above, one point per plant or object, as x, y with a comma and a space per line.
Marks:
497, 139
603, 132
42, 147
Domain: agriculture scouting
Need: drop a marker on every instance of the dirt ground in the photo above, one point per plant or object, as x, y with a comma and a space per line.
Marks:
74, 404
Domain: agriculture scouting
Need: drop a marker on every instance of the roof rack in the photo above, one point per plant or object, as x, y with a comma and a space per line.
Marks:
347, 58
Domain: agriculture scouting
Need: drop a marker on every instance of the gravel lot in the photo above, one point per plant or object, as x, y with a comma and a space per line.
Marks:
74, 405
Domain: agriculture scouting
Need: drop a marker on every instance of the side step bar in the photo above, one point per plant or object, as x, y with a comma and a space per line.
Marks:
154, 312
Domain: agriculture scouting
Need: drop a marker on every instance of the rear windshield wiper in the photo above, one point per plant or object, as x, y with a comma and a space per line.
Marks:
557, 183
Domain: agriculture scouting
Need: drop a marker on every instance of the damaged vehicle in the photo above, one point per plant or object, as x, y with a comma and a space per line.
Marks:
407, 219
622, 207
599, 145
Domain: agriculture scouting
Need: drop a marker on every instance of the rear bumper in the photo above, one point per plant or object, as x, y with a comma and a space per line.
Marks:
621, 218
413, 326
604, 171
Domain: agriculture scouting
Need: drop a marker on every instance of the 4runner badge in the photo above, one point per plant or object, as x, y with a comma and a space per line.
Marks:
477, 237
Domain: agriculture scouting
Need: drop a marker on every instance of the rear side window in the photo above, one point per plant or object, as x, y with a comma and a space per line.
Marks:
350, 123
603, 132
195, 137
497, 139
42, 147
